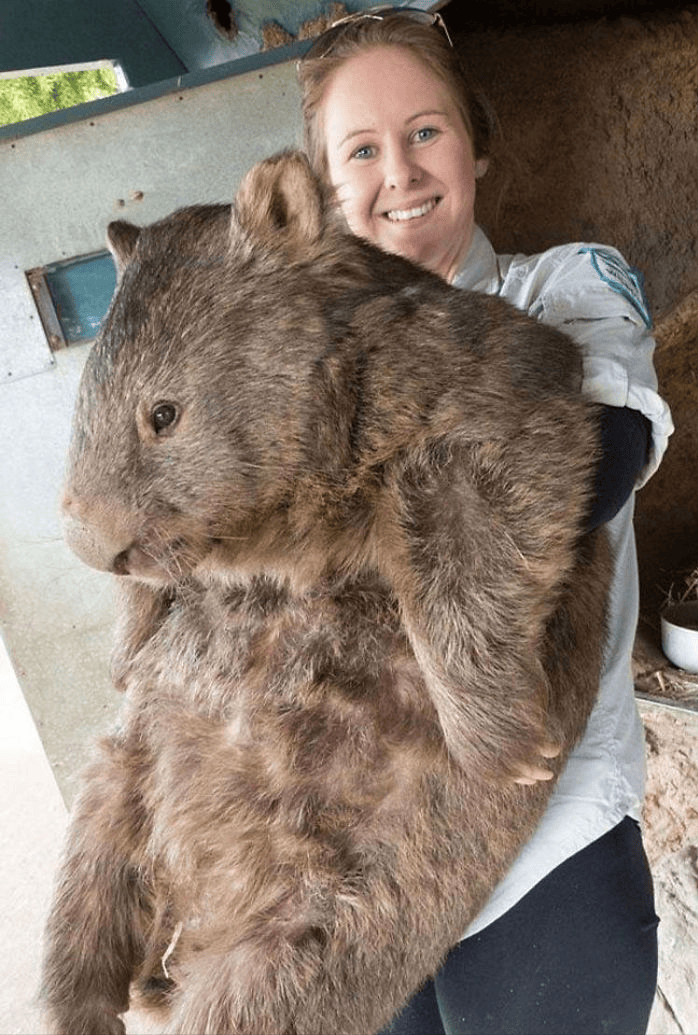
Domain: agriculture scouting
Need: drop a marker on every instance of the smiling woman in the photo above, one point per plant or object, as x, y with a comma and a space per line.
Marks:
401, 137
401, 159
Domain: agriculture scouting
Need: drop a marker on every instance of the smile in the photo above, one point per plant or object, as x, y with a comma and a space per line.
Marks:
402, 215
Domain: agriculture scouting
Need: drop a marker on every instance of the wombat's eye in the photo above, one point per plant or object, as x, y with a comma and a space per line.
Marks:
164, 415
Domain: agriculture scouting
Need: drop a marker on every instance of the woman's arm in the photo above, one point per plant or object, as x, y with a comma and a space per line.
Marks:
625, 441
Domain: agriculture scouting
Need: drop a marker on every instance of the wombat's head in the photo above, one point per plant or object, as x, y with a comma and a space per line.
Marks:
196, 405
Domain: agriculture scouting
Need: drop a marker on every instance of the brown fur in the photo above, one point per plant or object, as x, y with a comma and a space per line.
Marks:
356, 604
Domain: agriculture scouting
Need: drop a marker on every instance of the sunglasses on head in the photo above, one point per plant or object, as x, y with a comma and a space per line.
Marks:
323, 45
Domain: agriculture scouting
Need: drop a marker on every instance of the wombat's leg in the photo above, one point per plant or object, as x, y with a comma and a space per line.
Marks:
475, 607
97, 924
347, 978
262, 988
216, 998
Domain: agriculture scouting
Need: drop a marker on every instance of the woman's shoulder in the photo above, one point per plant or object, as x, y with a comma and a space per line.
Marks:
595, 276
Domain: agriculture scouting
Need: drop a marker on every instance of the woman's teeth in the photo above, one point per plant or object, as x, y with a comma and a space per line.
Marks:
400, 215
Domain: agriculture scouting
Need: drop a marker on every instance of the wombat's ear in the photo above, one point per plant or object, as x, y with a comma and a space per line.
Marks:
279, 204
121, 241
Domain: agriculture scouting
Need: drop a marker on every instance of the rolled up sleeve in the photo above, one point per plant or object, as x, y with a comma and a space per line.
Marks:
612, 327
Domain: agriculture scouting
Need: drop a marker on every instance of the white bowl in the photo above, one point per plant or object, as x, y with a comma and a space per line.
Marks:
680, 634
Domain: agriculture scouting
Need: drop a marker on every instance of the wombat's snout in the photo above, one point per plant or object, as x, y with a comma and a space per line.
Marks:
98, 532
109, 537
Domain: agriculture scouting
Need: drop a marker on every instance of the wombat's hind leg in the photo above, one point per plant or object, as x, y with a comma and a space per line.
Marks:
102, 910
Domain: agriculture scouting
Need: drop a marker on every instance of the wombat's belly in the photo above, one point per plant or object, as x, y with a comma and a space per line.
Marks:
297, 785
298, 793
284, 735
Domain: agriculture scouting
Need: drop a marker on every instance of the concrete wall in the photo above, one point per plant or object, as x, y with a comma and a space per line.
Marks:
60, 188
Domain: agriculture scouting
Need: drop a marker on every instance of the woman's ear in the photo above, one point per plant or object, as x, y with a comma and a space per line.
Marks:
481, 167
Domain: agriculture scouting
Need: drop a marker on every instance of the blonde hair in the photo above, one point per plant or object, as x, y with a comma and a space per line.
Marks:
427, 43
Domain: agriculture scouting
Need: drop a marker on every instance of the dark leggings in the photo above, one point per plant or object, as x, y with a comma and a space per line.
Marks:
576, 956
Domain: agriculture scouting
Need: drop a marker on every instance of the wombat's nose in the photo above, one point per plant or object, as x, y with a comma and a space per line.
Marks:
97, 532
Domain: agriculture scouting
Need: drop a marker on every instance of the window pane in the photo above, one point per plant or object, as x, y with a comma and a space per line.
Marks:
81, 291
28, 96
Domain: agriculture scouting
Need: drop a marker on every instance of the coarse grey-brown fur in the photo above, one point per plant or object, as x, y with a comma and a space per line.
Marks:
344, 503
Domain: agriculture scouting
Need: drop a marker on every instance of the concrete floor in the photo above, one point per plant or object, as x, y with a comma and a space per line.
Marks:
32, 824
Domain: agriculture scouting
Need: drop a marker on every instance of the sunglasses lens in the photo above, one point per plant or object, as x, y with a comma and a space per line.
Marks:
323, 45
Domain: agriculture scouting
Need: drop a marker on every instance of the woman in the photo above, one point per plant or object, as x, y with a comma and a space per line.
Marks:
568, 941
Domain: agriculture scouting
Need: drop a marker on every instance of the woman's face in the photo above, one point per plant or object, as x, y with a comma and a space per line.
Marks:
400, 158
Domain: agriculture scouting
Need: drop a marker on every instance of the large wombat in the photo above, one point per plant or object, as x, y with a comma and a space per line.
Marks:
344, 502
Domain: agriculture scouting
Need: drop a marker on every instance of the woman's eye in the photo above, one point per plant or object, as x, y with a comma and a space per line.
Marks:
164, 415
365, 151
425, 133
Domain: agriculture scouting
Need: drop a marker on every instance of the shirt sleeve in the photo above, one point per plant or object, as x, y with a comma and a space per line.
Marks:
593, 295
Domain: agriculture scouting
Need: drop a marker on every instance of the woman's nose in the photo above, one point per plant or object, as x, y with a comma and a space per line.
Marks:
401, 169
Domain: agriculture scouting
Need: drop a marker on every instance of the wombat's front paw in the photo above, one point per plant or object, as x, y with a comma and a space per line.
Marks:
535, 772
508, 749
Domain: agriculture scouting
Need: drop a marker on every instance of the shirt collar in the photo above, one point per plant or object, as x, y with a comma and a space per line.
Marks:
479, 270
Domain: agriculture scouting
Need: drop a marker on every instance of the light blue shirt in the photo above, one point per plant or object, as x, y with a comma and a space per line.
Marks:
589, 292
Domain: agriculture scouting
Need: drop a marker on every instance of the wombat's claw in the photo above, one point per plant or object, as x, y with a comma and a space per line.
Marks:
532, 774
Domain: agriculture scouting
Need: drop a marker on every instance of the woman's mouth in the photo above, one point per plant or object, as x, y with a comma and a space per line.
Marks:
403, 215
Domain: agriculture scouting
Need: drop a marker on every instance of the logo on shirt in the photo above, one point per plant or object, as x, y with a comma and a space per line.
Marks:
623, 279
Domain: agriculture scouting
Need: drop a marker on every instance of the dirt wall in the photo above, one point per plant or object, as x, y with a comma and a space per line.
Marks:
599, 123
600, 140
